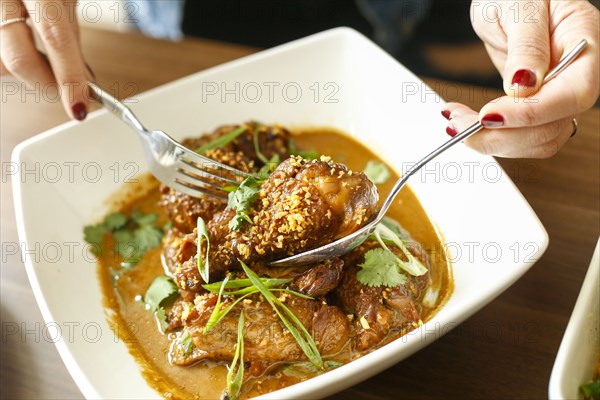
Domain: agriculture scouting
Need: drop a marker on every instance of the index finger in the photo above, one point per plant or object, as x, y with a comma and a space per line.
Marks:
56, 23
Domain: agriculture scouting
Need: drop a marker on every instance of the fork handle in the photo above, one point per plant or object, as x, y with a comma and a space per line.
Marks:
117, 108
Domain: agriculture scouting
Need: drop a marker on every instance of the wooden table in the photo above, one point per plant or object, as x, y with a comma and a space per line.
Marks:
504, 351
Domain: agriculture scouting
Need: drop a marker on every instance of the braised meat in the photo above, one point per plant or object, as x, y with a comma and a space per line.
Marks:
297, 209
377, 310
180, 262
272, 140
240, 153
303, 204
351, 196
265, 337
320, 279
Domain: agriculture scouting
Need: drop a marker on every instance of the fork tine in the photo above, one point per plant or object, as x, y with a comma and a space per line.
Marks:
195, 171
195, 191
190, 173
196, 180
194, 158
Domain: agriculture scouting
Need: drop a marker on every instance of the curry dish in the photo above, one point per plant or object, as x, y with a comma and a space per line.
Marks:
187, 284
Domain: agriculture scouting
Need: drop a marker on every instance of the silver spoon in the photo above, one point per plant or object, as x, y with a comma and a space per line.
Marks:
347, 243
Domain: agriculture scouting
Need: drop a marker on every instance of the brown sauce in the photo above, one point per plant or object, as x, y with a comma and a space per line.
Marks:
123, 289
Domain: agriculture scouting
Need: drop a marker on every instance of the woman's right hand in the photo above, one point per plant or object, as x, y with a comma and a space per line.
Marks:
524, 39
55, 22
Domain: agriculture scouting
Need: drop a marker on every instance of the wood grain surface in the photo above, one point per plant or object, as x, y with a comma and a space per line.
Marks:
504, 351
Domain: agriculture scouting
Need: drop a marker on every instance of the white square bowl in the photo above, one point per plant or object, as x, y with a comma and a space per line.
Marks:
338, 79
579, 350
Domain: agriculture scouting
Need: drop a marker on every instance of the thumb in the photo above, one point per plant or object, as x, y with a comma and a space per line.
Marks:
528, 40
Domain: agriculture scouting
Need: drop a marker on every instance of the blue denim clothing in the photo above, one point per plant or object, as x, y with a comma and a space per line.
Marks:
157, 18
392, 20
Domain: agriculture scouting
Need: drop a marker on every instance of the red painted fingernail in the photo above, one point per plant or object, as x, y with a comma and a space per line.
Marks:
79, 111
450, 130
446, 114
524, 77
493, 120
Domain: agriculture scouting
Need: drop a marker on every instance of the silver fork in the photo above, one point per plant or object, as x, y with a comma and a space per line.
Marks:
171, 163
347, 243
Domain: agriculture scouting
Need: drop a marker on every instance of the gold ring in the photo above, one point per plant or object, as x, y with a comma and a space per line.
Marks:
575, 126
12, 21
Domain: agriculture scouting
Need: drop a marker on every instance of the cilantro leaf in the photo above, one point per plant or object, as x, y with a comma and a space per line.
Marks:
147, 237
124, 236
241, 200
144, 219
380, 268
222, 141
265, 171
115, 221
133, 235
160, 289
125, 244
94, 234
377, 172
591, 390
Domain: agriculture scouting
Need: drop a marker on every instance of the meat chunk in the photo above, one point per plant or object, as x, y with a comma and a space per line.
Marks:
320, 279
377, 310
351, 196
184, 210
273, 141
266, 340
290, 215
303, 204
179, 261
176, 249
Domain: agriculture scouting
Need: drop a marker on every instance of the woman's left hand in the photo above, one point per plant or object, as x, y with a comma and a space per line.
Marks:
524, 39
